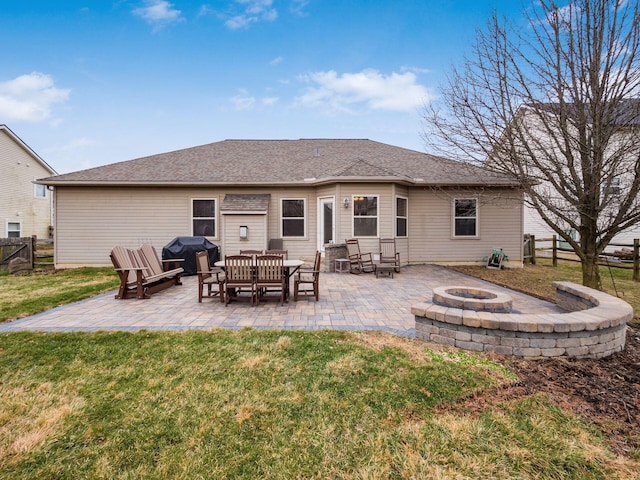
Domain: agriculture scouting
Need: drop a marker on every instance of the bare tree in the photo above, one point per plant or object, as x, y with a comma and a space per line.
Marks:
554, 102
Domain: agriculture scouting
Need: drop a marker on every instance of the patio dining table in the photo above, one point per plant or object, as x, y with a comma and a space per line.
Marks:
291, 266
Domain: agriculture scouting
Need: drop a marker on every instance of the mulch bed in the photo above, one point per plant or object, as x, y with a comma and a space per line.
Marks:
606, 391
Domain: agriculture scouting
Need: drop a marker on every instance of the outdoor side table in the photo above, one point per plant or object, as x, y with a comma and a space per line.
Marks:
342, 265
385, 268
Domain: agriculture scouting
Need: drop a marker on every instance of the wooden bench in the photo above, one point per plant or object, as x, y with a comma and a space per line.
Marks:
142, 273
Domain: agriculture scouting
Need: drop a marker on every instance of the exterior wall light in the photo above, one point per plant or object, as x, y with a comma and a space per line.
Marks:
345, 202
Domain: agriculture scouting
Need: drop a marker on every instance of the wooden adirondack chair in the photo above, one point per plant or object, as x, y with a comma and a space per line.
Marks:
137, 274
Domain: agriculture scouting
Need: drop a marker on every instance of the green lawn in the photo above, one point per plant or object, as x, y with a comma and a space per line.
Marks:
273, 405
269, 404
22, 295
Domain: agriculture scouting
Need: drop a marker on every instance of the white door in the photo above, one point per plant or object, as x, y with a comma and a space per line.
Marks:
326, 222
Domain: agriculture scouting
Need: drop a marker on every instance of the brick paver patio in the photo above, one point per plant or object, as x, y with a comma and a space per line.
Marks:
354, 302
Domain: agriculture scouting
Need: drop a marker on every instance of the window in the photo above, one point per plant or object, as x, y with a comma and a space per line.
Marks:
293, 221
204, 217
13, 229
365, 216
40, 191
465, 217
614, 189
401, 217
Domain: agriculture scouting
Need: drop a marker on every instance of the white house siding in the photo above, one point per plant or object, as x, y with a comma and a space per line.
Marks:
18, 202
534, 225
431, 237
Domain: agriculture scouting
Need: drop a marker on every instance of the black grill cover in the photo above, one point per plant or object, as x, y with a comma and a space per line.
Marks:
186, 247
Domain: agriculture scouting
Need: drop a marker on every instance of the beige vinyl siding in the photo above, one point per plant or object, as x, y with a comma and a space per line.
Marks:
91, 221
297, 247
431, 237
384, 192
256, 240
18, 201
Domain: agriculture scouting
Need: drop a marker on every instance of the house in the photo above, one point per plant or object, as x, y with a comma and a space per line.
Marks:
309, 193
618, 170
26, 208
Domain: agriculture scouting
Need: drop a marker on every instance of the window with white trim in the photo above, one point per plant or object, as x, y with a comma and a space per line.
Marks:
293, 217
365, 216
465, 217
40, 191
402, 215
203, 217
13, 230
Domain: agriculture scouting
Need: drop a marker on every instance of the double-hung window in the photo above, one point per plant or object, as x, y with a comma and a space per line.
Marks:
204, 217
293, 217
365, 216
465, 217
13, 229
401, 216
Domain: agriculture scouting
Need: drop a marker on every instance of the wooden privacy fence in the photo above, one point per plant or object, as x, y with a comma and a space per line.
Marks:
627, 260
10, 248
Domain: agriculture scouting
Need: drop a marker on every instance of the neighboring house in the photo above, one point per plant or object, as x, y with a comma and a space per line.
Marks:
620, 162
240, 194
26, 208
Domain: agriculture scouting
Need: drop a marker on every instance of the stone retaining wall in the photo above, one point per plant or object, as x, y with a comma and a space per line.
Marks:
594, 326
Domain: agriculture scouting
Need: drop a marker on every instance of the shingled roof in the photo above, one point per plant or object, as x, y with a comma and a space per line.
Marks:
285, 162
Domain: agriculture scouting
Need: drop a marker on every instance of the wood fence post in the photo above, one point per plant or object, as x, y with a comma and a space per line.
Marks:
533, 249
34, 242
555, 251
636, 260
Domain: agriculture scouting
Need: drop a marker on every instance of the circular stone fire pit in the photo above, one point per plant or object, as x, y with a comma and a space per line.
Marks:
588, 323
468, 298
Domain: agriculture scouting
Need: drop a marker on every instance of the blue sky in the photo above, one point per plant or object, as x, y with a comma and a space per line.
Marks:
90, 82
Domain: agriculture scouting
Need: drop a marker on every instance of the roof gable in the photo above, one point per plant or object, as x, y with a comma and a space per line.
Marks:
26, 148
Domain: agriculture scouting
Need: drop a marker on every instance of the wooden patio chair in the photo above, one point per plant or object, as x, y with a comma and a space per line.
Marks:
251, 252
277, 251
239, 275
209, 276
270, 276
359, 262
388, 253
305, 278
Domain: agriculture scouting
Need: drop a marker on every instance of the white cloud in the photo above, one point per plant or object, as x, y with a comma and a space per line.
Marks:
269, 100
276, 61
30, 97
297, 7
158, 13
243, 101
394, 92
253, 11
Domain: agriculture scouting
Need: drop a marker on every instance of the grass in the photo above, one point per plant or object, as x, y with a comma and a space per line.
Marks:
272, 404
277, 405
22, 295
